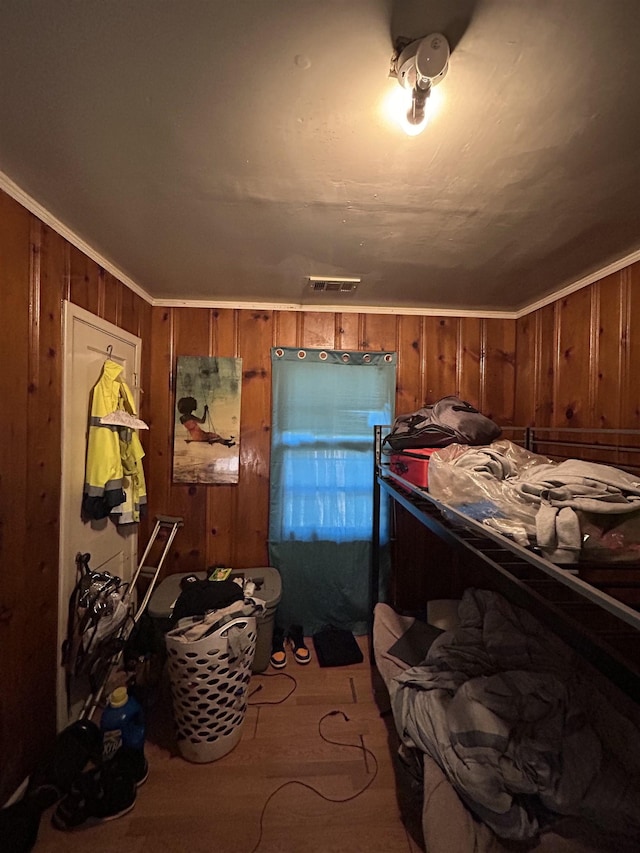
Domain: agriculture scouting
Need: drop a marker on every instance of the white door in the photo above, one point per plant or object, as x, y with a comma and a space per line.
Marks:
88, 342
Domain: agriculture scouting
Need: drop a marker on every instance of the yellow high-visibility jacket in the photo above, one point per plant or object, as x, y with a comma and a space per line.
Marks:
114, 478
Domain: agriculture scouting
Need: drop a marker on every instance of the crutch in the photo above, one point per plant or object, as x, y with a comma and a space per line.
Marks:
172, 524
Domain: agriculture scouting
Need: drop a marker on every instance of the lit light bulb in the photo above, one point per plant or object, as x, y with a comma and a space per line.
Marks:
416, 116
397, 104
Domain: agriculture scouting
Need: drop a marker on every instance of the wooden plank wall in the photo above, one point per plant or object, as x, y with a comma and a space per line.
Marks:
578, 358
228, 524
38, 270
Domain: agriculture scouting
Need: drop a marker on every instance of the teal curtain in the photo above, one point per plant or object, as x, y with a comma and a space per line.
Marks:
325, 405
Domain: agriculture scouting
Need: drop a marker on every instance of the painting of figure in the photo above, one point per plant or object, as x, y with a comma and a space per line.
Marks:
207, 419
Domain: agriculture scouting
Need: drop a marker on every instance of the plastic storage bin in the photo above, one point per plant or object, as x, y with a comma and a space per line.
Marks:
268, 588
209, 685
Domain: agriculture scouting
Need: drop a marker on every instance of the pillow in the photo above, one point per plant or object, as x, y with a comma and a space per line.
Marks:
413, 645
443, 613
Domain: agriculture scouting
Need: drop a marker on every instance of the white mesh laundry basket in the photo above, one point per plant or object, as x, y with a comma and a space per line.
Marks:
209, 683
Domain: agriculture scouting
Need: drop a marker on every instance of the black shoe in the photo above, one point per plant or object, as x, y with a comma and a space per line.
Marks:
134, 762
300, 652
19, 825
278, 657
72, 750
104, 793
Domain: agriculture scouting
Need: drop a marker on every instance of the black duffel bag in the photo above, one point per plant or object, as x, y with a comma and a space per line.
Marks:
447, 421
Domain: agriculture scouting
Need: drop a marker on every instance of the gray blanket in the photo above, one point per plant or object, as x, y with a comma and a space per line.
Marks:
496, 704
539, 502
561, 489
583, 485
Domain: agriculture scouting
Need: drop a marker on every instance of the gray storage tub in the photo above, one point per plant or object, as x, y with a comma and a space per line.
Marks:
268, 588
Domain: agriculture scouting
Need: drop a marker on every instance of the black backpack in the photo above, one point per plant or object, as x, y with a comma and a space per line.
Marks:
447, 421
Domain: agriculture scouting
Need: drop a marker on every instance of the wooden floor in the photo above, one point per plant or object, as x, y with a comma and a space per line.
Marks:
217, 807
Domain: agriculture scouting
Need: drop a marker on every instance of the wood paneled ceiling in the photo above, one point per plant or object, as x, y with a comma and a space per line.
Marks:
225, 150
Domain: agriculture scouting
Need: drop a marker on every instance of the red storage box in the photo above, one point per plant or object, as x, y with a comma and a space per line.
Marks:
413, 465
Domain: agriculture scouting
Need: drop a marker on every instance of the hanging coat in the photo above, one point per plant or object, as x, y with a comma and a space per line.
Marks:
114, 478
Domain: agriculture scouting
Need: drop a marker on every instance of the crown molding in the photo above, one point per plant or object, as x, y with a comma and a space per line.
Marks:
23, 198
592, 278
338, 308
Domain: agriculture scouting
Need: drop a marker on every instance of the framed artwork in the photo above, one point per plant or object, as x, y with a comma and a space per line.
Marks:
207, 419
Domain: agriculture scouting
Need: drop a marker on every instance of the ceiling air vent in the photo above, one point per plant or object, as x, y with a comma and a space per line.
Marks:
332, 285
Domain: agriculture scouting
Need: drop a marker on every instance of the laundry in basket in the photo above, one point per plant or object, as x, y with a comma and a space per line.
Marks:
209, 662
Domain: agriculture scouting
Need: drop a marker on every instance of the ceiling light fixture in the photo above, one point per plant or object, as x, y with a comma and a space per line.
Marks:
418, 66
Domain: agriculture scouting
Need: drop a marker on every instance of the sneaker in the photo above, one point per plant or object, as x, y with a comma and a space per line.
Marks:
300, 651
72, 750
278, 657
133, 761
103, 793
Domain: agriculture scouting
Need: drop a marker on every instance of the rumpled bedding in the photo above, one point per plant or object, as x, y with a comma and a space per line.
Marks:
540, 502
500, 705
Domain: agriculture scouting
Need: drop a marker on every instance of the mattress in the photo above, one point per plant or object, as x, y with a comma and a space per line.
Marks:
448, 826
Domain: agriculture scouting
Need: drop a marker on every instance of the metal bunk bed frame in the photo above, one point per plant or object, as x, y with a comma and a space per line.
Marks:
511, 564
